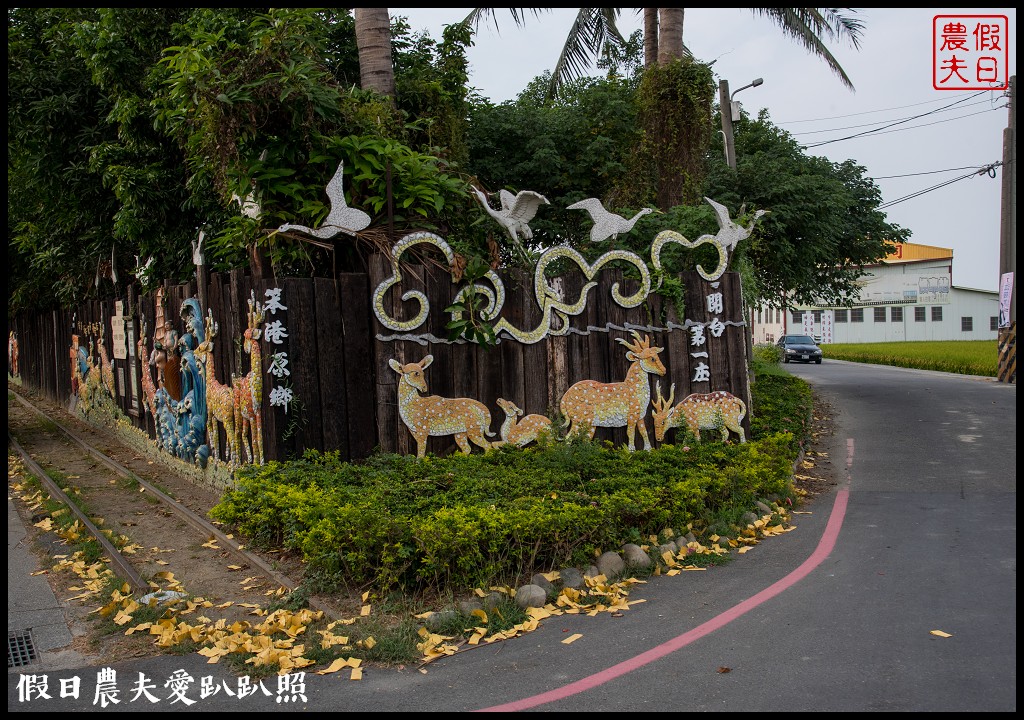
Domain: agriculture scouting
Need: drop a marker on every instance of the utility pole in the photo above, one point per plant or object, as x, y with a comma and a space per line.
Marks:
1007, 368
725, 108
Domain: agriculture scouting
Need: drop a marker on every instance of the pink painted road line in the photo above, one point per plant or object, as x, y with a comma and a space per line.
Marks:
824, 549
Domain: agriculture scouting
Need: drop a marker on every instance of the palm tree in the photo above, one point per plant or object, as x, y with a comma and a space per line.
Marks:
373, 39
594, 28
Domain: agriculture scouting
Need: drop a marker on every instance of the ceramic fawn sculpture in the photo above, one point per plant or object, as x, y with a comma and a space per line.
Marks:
249, 388
589, 404
521, 432
700, 411
220, 401
432, 415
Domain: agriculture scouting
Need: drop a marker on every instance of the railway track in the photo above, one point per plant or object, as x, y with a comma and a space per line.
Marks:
166, 536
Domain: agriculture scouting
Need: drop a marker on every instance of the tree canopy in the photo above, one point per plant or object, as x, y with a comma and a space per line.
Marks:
130, 129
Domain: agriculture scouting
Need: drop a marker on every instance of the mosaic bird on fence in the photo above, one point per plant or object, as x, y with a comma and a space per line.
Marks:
729, 232
516, 213
341, 218
607, 224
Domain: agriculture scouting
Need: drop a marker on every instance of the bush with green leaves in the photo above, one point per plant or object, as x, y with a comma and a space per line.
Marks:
452, 523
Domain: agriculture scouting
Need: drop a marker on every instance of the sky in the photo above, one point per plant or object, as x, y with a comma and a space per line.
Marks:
892, 73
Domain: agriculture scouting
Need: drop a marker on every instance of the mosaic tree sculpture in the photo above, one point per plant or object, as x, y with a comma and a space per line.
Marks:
220, 399
91, 383
432, 415
718, 410
148, 386
589, 404
606, 224
248, 389
106, 368
521, 432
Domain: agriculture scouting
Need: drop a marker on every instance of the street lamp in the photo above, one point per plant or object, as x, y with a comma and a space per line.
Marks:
728, 118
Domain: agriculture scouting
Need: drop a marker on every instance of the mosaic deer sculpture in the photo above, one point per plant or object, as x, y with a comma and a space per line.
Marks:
248, 388
432, 415
220, 399
521, 432
589, 404
717, 410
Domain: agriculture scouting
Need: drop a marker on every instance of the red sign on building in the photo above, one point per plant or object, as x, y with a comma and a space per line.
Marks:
970, 52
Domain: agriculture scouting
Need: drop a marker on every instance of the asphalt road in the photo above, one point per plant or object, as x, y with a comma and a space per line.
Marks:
918, 535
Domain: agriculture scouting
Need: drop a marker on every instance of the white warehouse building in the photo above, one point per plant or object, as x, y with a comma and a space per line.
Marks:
908, 296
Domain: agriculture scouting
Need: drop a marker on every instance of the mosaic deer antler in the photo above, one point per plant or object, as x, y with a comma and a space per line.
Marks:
589, 404
432, 415
700, 411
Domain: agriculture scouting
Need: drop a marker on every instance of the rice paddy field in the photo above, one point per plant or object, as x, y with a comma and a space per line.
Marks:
965, 357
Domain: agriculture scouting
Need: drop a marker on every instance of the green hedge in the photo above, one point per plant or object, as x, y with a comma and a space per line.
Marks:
459, 522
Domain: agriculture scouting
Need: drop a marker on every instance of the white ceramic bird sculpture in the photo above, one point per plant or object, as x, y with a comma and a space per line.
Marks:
516, 213
248, 207
730, 233
606, 224
340, 219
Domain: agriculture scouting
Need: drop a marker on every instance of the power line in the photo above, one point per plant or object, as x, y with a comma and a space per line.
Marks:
929, 172
866, 112
898, 122
877, 122
987, 170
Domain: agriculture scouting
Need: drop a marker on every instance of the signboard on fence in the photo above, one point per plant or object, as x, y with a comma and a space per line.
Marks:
117, 334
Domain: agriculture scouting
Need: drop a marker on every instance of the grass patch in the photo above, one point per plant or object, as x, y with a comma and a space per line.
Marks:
964, 357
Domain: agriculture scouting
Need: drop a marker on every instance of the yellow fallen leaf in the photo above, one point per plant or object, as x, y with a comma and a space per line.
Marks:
939, 633
364, 611
743, 549
161, 562
357, 674
572, 638
334, 667
366, 595
39, 572
234, 567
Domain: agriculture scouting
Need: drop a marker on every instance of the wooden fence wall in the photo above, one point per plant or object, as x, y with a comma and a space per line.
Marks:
345, 393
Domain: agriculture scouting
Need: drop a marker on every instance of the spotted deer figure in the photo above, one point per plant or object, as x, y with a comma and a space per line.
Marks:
717, 410
148, 386
432, 415
248, 388
220, 405
589, 404
521, 432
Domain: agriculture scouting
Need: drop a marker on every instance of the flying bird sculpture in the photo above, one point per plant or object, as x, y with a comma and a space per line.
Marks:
606, 224
340, 219
515, 214
248, 207
730, 233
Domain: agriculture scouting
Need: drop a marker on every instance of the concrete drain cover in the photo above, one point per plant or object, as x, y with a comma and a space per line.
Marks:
21, 650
